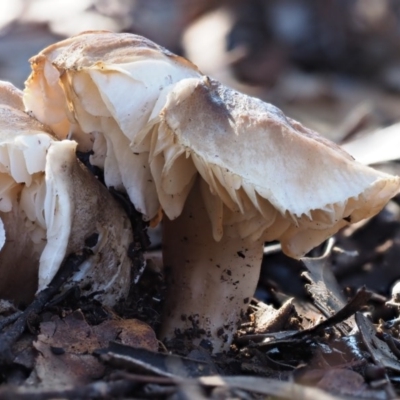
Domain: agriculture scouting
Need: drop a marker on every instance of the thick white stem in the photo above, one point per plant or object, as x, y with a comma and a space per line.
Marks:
210, 282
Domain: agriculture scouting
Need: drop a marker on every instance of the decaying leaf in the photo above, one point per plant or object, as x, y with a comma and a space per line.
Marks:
65, 348
130, 332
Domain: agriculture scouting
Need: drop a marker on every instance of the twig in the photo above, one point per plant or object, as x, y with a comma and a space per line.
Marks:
359, 301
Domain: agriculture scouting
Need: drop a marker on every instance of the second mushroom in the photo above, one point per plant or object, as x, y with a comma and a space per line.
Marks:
51, 206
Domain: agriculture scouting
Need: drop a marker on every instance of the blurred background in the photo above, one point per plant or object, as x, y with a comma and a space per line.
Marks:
333, 65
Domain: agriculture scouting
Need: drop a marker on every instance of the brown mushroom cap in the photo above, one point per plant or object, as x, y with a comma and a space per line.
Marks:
268, 176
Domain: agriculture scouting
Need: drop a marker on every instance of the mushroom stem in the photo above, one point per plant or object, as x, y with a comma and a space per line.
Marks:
210, 283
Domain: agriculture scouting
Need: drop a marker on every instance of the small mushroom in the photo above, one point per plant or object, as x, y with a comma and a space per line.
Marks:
51, 206
229, 171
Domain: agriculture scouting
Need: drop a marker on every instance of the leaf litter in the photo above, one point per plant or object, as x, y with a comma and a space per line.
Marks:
329, 350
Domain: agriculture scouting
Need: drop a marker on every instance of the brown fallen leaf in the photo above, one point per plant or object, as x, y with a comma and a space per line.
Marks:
64, 347
130, 332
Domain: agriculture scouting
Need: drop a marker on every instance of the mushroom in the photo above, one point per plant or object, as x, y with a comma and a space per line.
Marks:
51, 206
259, 176
228, 171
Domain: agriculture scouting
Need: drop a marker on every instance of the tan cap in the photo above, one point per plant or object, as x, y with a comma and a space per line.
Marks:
268, 176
